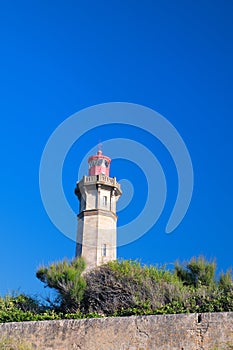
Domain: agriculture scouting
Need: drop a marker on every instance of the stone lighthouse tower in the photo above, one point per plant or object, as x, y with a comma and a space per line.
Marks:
97, 194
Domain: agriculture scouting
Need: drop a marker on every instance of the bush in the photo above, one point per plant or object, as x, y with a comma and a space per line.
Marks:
66, 278
123, 288
128, 285
128, 288
197, 272
18, 308
225, 281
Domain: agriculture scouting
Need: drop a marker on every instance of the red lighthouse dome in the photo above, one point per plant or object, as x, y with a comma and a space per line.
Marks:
99, 164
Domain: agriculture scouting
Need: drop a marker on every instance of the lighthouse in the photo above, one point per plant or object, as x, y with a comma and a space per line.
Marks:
98, 194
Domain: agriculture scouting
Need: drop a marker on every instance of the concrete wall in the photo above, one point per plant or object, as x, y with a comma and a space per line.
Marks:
170, 332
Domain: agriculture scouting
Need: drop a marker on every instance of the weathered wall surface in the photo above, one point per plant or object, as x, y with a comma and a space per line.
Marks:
208, 331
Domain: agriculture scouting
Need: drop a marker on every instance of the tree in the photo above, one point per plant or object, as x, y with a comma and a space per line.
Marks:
66, 278
225, 281
197, 272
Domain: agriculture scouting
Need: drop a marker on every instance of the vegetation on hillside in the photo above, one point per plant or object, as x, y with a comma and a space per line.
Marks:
66, 279
124, 288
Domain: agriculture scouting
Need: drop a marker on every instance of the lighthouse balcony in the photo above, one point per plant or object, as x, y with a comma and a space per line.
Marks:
101, 179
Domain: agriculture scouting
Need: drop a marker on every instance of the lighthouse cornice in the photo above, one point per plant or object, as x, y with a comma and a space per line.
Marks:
92, 212
100, 181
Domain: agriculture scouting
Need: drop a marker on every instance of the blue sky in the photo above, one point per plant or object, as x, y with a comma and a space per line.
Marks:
58, 57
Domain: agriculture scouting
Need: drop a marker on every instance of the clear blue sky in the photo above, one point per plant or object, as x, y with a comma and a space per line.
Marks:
58, 57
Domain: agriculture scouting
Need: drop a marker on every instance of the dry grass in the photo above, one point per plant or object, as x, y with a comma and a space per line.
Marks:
13, 344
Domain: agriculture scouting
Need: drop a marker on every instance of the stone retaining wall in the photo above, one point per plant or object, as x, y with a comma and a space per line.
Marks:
210, 331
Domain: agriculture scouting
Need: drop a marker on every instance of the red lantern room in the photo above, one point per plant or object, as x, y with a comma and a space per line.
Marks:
99, 164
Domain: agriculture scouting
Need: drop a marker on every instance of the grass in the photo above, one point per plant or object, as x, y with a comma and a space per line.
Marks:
13, 344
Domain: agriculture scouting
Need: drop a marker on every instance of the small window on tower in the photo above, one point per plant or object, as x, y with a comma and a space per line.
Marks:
105, 200
99, 162
104, 250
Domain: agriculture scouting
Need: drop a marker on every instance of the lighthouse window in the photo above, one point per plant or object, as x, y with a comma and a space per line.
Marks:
104, 250
105, 200
99, 162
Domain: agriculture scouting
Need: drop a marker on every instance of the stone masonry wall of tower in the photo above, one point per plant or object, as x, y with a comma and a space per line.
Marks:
98, 194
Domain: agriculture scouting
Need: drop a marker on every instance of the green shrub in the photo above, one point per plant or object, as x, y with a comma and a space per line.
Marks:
197, 272
18, 308
225, 281
127, 285
66, 278
121, 288
128, 288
